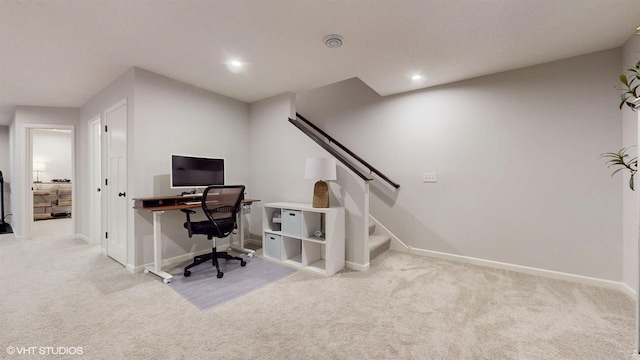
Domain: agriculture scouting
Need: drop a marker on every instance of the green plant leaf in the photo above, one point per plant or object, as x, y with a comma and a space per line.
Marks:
623, 79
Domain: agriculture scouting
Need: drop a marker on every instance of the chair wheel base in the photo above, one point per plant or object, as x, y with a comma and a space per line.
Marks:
187, 273
220, 274
243, 263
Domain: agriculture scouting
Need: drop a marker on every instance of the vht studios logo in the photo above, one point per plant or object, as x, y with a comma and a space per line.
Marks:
44, 350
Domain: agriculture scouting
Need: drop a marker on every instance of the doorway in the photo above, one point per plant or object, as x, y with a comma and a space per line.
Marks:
52, 189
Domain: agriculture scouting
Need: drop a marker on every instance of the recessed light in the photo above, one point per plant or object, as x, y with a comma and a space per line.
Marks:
416, 77
235, 66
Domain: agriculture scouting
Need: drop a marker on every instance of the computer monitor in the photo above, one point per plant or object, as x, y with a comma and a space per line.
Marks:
196, 172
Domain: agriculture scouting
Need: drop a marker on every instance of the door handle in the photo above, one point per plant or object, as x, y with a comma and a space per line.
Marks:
98, 189
122, 194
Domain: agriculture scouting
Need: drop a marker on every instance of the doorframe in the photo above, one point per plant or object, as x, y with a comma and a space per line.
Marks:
27, 213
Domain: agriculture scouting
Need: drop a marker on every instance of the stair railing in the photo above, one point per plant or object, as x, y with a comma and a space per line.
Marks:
337, 154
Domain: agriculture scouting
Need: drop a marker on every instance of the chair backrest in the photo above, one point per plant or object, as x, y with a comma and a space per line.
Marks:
221, 204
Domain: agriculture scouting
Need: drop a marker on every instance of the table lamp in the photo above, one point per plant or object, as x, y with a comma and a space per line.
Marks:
320, 169
37, 167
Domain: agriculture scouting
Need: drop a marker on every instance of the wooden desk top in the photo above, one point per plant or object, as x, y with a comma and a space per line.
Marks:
162, 203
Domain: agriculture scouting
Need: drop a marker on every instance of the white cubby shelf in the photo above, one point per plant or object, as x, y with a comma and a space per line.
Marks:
304, 237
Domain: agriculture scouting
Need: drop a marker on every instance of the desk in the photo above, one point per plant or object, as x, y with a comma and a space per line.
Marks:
158, 205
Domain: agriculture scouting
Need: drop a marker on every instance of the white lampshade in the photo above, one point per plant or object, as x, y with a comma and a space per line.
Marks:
320, 169
38, 166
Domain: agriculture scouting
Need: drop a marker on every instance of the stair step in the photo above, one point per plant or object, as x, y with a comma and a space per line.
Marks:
372, 227
378, 244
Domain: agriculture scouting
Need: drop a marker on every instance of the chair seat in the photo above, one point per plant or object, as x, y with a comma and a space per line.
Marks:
206, 227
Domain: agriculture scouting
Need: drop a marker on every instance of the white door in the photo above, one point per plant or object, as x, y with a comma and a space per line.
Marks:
96, 180
116, 181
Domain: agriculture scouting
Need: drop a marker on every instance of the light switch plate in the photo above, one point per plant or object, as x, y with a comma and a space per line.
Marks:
429, 177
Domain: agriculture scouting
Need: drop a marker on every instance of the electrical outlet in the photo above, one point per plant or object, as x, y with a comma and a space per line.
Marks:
429, 177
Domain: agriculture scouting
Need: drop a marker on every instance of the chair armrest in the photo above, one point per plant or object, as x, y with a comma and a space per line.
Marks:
188, 212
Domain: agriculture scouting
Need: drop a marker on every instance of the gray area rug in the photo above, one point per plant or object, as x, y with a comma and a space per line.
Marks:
204, 290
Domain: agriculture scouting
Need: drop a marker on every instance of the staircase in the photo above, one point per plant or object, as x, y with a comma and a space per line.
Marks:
378, 243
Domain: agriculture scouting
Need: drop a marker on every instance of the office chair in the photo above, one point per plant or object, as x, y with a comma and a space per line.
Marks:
221, 205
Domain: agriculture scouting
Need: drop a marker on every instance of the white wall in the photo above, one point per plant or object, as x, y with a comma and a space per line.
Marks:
278, 157
630, 56
120, 88
173, 117
166, 116
516, 154
27, 116
53, 148
4, 167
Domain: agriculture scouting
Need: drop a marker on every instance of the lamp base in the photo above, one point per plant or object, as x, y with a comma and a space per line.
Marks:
320, 195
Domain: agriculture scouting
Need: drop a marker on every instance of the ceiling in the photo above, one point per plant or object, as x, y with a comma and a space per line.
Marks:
63, 52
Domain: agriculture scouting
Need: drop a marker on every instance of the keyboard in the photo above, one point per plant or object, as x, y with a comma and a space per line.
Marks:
194, 195
192, 202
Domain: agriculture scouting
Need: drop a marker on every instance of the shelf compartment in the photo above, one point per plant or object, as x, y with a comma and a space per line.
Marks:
313, 221
64, 202
44, 192
313, 255
292, 250
273, 216
319, 266
42, 204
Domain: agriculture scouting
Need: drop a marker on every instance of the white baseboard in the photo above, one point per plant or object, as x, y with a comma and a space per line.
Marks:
175, 260
635, 356
355, 266
398, 245
528, 270
629, 292
83, 237
130, 268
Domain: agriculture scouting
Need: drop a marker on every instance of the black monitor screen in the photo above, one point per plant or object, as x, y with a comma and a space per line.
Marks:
195, 172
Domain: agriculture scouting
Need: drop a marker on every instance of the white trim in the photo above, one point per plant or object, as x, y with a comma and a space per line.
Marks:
83, 238
355, 266
130, 268
629, 292
27, 212
525, 270
635, 356
92, 198
398, 245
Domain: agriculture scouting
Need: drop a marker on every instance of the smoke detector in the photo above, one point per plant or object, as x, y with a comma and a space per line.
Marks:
333, 41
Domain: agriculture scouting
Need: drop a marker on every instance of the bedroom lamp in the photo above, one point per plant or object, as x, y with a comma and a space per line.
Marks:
37, 167
320, 169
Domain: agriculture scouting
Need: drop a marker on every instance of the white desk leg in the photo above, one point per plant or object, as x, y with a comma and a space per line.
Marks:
157, 249
241, 231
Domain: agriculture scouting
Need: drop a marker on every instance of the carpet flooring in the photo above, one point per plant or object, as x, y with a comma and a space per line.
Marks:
62, 292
